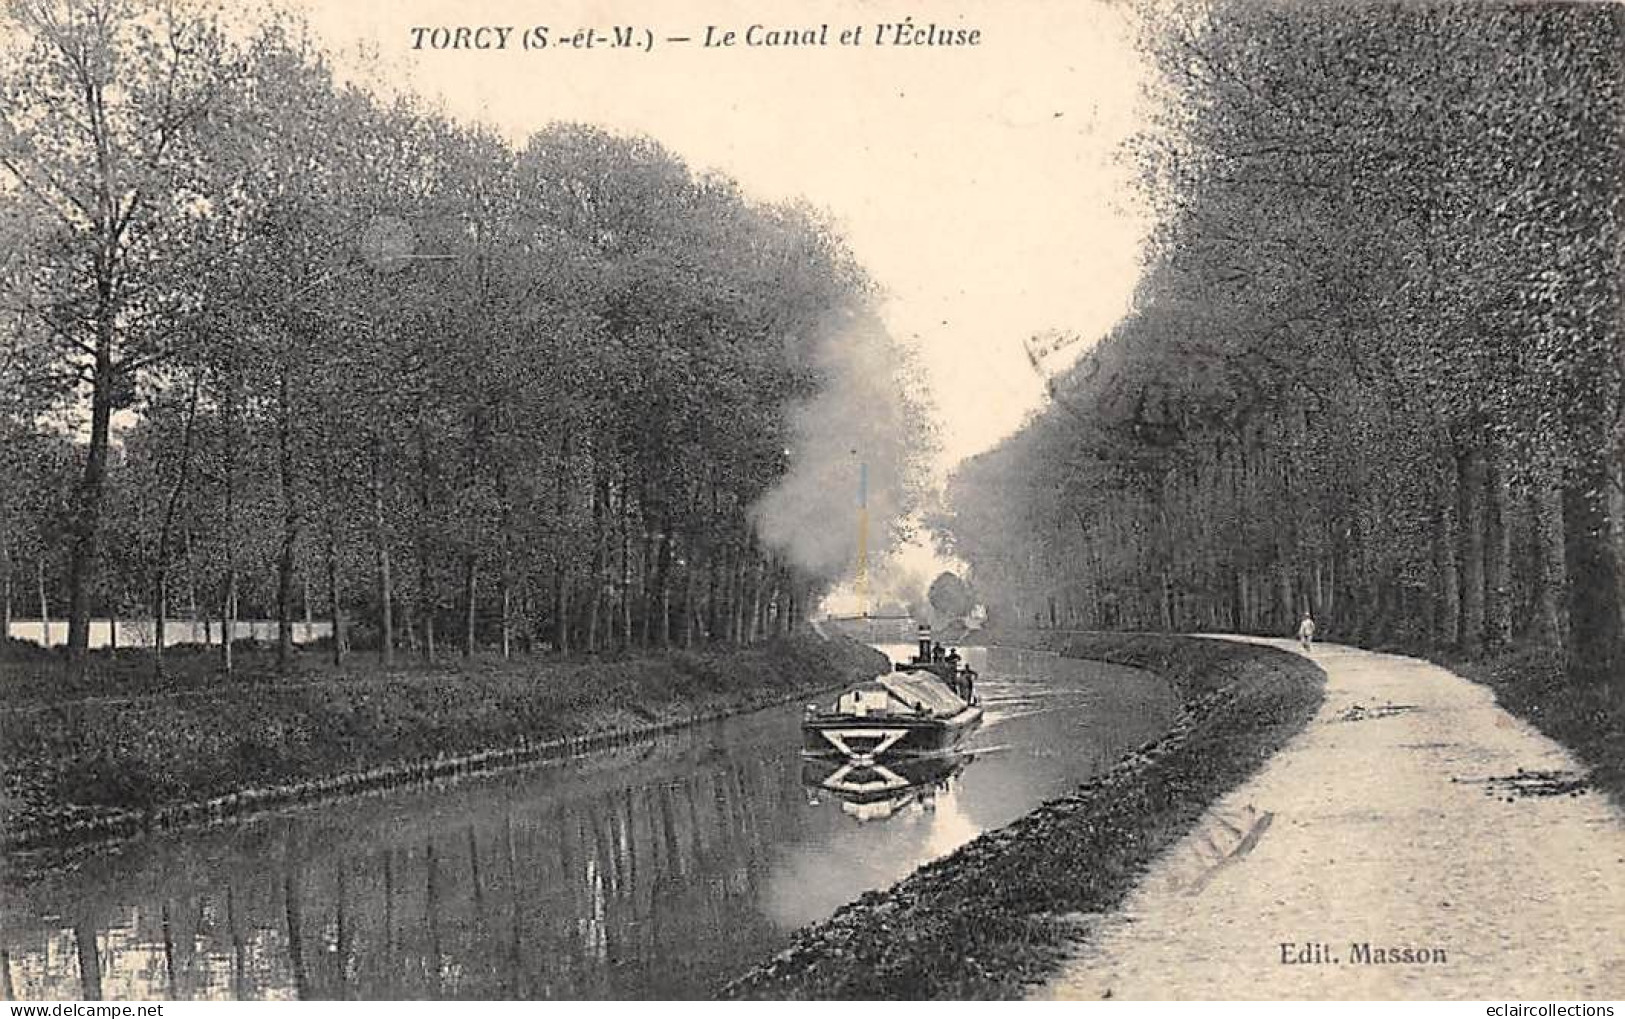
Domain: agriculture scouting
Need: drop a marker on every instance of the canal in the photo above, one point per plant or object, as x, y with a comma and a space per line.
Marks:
655, 870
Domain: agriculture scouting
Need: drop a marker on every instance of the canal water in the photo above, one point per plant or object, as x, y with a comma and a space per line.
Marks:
657, 870
129, 633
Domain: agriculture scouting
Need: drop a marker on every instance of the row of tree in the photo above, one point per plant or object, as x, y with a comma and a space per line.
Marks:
1374, 368
275, 346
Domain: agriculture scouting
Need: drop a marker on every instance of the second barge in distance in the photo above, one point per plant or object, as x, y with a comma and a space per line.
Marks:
923, 706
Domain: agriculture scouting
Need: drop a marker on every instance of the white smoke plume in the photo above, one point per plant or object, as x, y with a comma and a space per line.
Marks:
868, 415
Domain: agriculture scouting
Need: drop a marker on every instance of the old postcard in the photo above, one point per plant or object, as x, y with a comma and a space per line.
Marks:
629, 499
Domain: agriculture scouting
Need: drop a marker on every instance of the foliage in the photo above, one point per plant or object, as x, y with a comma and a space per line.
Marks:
1374, 368
950, 596
320, 354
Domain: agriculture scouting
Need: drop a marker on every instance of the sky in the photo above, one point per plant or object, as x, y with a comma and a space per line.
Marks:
979, 186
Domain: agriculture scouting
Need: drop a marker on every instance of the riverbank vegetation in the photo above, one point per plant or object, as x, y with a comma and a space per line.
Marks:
121, 753
1374, 368
999, 914
275, 346
1587, 718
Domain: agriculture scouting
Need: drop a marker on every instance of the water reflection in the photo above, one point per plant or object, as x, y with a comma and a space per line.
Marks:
874, 790
657, 870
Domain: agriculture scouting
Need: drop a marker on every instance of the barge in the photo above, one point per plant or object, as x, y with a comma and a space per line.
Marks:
924, 706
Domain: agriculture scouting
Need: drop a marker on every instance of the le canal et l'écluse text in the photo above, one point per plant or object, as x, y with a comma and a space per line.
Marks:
898, 34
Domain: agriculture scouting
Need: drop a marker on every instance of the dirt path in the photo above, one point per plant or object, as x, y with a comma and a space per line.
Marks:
1412, 814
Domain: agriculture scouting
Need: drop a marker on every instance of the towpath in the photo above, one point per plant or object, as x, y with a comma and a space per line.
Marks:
1412, 815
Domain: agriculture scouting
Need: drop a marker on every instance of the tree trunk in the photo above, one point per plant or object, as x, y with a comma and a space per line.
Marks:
709, 631
1551, 572
561, 513
507, 617
208, 623
665, 616
229, 624
106, 228
753, 621
1498, 557
427, 601
386, 608
736, 597
334, 605
561, 608
1239, 602
290, 522
191, 589
783, 588
505, 576
5, 623
1615, 509
470, 605
1447, 623
626, 568
1594, 610
648, 566
1356, 571
1471, 485
690, 611
599, 555
90, 963
1283, 598
1165, 602
228, 529
660, 631
85, 522
44, 603
285, 596
160, 592
1328, 598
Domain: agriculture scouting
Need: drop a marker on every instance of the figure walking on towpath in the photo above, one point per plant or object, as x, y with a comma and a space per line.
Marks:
1306, 633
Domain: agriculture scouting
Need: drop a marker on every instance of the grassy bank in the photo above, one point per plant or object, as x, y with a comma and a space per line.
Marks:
1589, 719
119, 750
997, 915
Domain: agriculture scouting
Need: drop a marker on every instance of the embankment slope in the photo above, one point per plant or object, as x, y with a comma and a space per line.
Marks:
1001, 913
130, 753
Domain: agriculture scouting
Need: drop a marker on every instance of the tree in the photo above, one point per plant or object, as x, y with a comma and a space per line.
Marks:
101, 128
949, 596
376, 360
1373, 369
